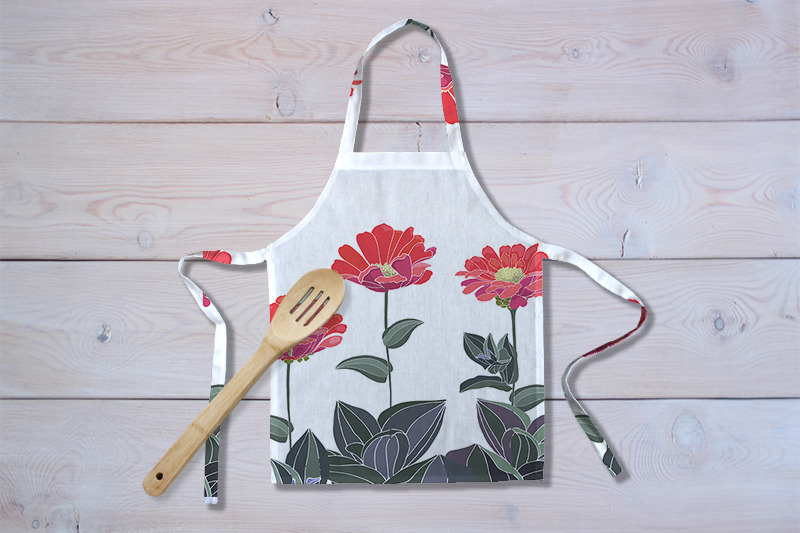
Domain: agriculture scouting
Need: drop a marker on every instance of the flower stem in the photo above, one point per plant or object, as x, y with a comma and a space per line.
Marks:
288, 412
385, 327
516, 353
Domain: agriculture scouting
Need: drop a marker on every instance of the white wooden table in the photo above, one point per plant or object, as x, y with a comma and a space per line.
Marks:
658, 138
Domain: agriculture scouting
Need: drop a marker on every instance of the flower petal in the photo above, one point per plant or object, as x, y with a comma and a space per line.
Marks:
345, 269
425, 277
350, 255
329, 342
383, 236
403, 266
369, 247
489, 253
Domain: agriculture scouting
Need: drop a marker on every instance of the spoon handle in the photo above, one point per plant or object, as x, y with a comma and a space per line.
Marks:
179, 455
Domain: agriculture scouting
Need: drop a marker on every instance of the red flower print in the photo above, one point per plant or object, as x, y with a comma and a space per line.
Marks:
509, 278
218, 255
327, 336
389, 259
448, 96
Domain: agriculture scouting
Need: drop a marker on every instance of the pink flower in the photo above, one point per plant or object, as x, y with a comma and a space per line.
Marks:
327, 336
389, 259
510, 278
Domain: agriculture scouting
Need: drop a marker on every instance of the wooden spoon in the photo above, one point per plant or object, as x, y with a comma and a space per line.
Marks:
295, 319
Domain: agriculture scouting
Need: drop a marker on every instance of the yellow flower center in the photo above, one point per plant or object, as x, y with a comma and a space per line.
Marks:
509, 275
387, 269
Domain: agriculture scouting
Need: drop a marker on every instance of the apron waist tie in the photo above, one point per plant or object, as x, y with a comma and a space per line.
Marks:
211, 478
600, 445
605, 280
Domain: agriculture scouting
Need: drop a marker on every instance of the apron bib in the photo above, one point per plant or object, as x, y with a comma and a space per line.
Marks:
432, 371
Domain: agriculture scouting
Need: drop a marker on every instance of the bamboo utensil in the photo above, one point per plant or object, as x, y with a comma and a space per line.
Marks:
309, 304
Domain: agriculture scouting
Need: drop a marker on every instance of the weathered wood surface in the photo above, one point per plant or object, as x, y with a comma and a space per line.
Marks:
720, 328
123, 191
692, 465
111, 60
659, 130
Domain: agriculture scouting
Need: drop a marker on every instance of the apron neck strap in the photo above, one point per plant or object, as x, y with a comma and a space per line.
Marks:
448, 96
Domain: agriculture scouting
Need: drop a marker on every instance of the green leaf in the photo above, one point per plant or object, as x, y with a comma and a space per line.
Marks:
526, 398
611, 462
309, 458
285, 474
523, 448
480, 382
504, 350
502, 464
511, 371
374, 368
416, 472
279, 429
589, 428
473, 346
539, 437
398, 333
346, 470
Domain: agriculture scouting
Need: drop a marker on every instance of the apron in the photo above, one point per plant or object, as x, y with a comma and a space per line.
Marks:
432, 370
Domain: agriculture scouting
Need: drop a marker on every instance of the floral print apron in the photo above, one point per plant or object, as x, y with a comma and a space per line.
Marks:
432, 371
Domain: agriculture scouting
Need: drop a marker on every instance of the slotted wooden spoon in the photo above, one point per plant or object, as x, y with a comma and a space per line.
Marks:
295, 319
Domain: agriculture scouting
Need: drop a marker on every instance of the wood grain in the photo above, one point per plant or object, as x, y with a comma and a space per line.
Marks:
85, 476
717, 328
111, 60
125, 191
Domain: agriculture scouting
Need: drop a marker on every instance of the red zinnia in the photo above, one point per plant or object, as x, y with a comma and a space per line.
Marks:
219, 256
510, 278
448, 96
389, 259
327, 336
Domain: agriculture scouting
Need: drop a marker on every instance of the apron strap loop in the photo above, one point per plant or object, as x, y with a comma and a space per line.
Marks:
211, 481
448, 94
605, 280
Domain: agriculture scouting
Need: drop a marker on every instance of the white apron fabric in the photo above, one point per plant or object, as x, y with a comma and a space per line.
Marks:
432, 369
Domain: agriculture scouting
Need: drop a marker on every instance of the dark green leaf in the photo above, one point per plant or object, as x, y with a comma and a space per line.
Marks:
374, 368
356, 449
428, 471
489, 466
419, 421
309, 459
526, 398
279, 429
480, 382
285, 474
398, 333
522, 448
352, 424
505, 352
346, 470
473, 346
511, 371
412, 473
495, 418
611, 462
490, 348
532, 470
589, 428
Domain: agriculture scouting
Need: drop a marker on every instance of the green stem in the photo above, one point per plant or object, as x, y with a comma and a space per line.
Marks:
385, 327
514, 341
288, 412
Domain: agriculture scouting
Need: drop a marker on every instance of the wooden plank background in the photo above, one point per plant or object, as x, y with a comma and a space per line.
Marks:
659, 138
